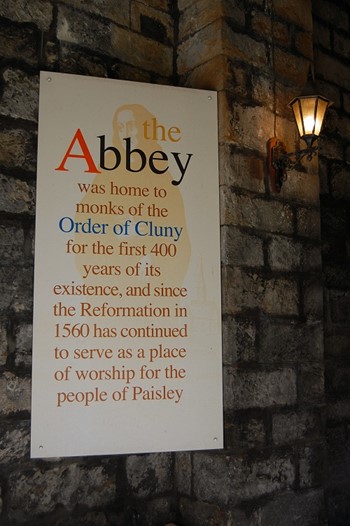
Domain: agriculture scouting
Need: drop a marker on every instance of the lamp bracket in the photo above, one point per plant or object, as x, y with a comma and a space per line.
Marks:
279, 161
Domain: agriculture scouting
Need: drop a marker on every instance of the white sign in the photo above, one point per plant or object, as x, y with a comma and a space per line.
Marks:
127, 308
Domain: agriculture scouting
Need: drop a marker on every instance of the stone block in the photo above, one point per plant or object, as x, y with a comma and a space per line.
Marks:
20, 96
18, 149
291, 508
3, 343
244, 291
217, 74
340, 184
254, 212
304, 43
289, 427
152, 23
24, 335
38, 12
298, 13
312, 293
239, 339
19, 43
149, 474
335, 17
311, 383
262, 90
118, 12
183, 473
302, 186
228, 480
16, 290
291, 68
200, 47
39, 491
198, 15
14, 442
16, 196
332, 70
249, 389
244, 126
284, 254
241, 170
81, 62
308, 223
14, 394
84, 30
290, 342
339, 306
11, 244
246, 430
238, 248
242, 47
199, 513
311, 466
321, 34
141, 52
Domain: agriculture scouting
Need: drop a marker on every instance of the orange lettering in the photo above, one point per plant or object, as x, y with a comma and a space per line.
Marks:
78, 137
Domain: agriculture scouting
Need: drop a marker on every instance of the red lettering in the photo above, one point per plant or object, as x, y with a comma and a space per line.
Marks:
78, 137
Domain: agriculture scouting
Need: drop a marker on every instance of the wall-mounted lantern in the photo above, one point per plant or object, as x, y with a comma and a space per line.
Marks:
309, 111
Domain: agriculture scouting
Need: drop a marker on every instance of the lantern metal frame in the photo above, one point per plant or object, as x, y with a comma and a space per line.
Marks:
309, 112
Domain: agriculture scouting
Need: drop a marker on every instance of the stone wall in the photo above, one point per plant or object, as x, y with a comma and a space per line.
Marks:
271, 262
256, 54
332, 54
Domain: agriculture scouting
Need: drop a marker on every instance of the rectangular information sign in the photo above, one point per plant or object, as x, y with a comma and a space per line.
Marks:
127, 303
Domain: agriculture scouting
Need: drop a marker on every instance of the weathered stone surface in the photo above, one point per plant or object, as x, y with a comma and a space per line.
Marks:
241, 248
313, 299
253, 212
293, 508
308, 223
248, 290
183, 473
11, 244
246, 430
286, 342
3, 343
291, 426
199, 513
203, 12
79, 62
37, 11
14, 394
245, 389
311, 388
16, 290
336, 17
218, 479
19, 43
341, 184
16, 196
200, 47
299, 13
14, 442
118, 12
241, 171
24, 335
239, 338
17, 149
21, 95
311, 466
152, 23
141, 52
40, 491
245, 126
147, 473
